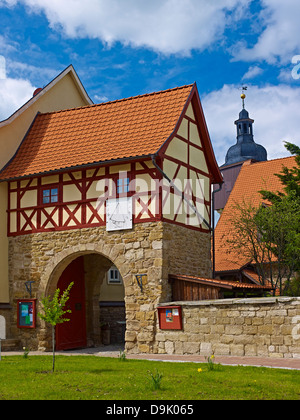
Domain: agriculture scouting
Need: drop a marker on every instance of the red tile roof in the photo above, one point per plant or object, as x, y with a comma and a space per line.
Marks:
226, 284
125, 128
252, 178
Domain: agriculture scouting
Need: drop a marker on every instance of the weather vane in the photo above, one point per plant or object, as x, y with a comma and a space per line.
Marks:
243, 96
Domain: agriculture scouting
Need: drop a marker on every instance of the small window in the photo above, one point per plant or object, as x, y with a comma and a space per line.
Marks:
50, 195
122, 185
114, 276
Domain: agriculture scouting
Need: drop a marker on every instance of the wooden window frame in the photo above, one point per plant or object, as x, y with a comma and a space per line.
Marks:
50, 187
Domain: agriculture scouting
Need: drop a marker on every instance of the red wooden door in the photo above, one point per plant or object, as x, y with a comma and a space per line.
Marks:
72, 334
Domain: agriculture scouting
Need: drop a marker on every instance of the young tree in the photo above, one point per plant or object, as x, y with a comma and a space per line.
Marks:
54, 313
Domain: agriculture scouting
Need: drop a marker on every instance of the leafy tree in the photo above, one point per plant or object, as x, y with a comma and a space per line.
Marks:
54, 313
269, 235
278, 229
290, 178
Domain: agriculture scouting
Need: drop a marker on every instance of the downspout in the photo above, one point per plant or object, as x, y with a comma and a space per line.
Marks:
180, 193
213, 230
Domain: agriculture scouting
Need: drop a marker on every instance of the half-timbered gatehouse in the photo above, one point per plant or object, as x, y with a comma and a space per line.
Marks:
121, 187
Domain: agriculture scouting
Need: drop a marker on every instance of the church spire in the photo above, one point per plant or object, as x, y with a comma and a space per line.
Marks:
245, 147
244, 123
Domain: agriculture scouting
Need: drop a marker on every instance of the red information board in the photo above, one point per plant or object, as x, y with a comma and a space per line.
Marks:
26, 313
170, 317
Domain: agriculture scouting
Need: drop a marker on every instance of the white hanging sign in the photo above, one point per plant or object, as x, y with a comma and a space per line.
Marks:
119, 213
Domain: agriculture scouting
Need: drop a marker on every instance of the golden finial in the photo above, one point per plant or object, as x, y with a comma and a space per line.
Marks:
243, 96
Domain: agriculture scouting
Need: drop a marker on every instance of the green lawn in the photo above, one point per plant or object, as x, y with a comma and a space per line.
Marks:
99, 378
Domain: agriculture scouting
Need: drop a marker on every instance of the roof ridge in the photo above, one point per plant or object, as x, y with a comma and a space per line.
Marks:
265, 161
119, 100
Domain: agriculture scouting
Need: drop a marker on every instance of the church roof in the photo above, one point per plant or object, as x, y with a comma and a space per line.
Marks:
245, 147
244, 151
252, 178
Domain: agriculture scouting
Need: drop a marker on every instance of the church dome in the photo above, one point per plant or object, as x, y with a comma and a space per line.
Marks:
245, 147
244, 151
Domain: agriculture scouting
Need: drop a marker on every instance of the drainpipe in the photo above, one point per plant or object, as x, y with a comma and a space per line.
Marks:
180, 193
213, 231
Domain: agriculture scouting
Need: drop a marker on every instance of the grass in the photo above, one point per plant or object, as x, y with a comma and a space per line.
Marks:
100, 378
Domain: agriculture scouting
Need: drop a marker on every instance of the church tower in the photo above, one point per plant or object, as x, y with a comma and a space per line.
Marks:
244, 149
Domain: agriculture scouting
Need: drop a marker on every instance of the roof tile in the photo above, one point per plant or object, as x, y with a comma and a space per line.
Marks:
252, 178
135, 126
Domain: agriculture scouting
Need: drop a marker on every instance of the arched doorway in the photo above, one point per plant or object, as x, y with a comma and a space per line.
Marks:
72, 334
88, 271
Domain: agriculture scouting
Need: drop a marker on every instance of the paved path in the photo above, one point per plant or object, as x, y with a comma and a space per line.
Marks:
114, 351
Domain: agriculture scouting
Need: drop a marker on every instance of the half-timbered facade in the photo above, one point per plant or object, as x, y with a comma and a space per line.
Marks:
124, 183
172, 183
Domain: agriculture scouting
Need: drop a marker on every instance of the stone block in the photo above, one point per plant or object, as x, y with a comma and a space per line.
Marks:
169, 347
191, 348
144, 348
250, 350
237, 350
160, 337
145, 336
265, 329
222, 349
130, 336
205, 349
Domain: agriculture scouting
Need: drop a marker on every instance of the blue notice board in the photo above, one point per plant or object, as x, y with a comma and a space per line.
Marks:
26, 313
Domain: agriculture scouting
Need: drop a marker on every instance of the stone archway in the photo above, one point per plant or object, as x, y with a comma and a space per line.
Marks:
43, 257
96, 266
57, 264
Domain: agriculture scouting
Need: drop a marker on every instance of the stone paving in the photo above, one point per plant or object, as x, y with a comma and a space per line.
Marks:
114, 351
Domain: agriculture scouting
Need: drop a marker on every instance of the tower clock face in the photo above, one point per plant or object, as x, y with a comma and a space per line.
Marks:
119, 213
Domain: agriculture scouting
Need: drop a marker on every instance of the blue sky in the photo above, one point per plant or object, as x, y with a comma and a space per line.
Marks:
122, 48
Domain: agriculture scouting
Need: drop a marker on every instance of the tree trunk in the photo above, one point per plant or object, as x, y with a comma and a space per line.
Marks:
53, 347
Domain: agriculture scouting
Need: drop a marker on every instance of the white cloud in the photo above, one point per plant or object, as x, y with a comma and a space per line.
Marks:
252, 72
167, 26
100, 98
13, 94
9, 3
280, 39
275, 110
179, 26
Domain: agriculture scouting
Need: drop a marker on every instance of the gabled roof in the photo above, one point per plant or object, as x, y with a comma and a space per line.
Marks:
252, 178
69, 70
121, 129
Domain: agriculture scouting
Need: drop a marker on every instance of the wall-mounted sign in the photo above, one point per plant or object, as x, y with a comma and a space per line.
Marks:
119, 213
26, 313
170, 317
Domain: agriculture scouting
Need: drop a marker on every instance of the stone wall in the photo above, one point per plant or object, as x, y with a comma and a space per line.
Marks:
154, 249
114, 316
266, 327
